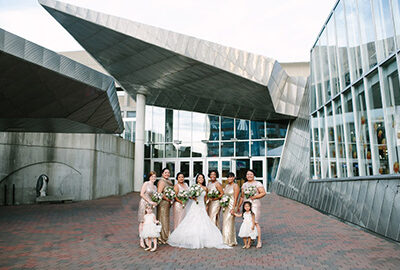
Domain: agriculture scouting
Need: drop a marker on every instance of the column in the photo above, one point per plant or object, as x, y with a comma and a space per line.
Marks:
139, 142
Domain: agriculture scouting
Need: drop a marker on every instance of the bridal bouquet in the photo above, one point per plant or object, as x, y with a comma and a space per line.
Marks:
213, 193
170, 193
156, 197
250, 191
195, 191
224, 202
183, 195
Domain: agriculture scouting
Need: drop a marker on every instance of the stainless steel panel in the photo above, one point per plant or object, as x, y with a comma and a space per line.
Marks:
386, 208
369, 203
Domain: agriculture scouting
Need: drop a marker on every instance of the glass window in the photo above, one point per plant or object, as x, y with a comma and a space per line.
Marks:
212, 166
272, 167
257, 148
242, 129
184, 151
227, 149
275, 147
340, 138
227, 128
213, 127
171, 125
146, 169
342, 44
213, 149
199, 149
147, 151
226, 168
171, 167
258, 168
148, 123
323, 50
158, 150
158, 123
185, 126
242, 149
185, 168
130, 114
157, 167
384, 28
396, 19
128, 131
197, 167
367, 31
242, 165
392, 97
378, 140
364, 138
316, 76
333, 56
353, 37
331, 136
170, 150
199, 127
257, 129
276, 130
351, 133
324, 144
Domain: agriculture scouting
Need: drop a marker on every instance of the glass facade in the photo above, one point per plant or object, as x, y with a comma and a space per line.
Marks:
193, 142
355, 91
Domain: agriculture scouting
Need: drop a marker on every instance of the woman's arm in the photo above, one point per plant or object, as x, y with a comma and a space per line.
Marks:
238, 215
176, 189
235, 196
221, 191
261, 193
160, 189
240, 201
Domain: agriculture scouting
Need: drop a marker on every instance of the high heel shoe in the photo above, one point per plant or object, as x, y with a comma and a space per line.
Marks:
259, 245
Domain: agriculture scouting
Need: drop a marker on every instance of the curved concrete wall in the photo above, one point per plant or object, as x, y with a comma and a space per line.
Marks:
86, 166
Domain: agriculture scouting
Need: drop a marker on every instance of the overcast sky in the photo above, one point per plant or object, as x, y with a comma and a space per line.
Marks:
284, 30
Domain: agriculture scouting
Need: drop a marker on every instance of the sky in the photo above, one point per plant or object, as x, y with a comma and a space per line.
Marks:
284, 30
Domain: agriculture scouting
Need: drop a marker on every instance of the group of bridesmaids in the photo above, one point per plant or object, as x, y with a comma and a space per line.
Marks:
213, 207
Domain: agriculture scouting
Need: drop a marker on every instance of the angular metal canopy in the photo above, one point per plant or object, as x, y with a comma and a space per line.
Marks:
182, 72
42, 91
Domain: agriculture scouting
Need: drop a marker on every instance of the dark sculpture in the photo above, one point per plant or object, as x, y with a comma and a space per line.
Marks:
41, 185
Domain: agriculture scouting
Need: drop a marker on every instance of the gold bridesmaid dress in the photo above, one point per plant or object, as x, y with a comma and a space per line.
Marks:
163, 215
228, 220
213, 206
255, 204
179, 210
150, 189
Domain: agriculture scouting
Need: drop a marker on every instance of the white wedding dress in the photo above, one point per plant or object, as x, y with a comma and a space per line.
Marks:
196, 229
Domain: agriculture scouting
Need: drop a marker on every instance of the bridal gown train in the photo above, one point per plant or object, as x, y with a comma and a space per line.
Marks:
196, 229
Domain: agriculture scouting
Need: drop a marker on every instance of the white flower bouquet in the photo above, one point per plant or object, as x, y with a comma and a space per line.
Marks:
195, 191
169, 192
183, 195
214, 193
156, 197
250, 191
224, 201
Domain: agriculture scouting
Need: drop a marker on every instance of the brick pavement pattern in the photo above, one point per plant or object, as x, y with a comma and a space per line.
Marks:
102, 234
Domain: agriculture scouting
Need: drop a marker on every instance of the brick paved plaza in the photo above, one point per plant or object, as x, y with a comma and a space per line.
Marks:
102, 234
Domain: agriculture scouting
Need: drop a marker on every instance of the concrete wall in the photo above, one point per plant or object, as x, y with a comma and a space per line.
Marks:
86, 166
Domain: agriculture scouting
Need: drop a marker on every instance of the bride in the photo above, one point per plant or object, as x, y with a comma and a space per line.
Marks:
196, 229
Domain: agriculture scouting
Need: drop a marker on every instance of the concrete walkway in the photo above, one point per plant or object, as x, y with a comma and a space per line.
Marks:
102, 234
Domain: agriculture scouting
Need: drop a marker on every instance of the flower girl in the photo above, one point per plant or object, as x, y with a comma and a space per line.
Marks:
151, 228
247, 230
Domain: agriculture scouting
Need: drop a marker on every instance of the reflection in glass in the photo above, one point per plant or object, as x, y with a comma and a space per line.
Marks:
171, 167
276, 130
159, 126
367, 31
354, 41
272, 165
146, 169
351, 133
199, 127
342, 44
377, 120
340, 138
257, 148
185, 127
184, 151
227, 126
392, 97
158, 150
316, 76
147, 151
242, 129
212, 166
242, 165
384, 28
170, 150
242, 149
396, 19
227, 149
157, 168
171, 124
148, 123
275, 147
323, 60
257, 129
363, 137
226, 168
213, 127
212, 149
128, 130
199, 149
258, 168
197, 168
332, 48
185, 168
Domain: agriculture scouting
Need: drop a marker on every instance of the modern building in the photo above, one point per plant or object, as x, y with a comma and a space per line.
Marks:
354, 127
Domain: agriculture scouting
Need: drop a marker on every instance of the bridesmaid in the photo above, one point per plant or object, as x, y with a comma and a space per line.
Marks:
148, 188
164, 206
255, 200
228, 218
179, 211
213, 204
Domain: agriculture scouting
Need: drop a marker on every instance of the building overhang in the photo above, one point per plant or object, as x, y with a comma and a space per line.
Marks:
42, 91
182, 72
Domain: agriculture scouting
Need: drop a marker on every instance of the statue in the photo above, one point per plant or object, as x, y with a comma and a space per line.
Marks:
41, 186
